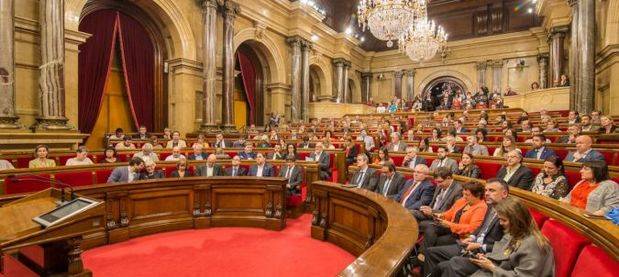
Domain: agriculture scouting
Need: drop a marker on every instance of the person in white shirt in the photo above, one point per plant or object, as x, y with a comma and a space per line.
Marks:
176, 141
6, 165
125, 145
367, 140
81, 157
176, 155
147, 153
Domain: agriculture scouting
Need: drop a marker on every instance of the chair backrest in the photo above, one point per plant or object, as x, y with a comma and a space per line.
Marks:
566, 244
593, 261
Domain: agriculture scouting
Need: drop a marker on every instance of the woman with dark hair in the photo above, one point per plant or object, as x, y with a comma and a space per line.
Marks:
551, 181
523, 116
109, 156
595, 193
508, 144
523, 250
40, 158
481, 135
467, 167
383, 156
291, 149
181, 169
436, 135
424, 145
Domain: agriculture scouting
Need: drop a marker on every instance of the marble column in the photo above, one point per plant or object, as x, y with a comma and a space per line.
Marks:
397, 91
497, 72
306, 46
51, 79
347, 92
557, 54
481, 73
542, 60
366, 86
410, 85
209, 42
586, 50
574, 63
295, 91
230, 9
8, 118
339, 80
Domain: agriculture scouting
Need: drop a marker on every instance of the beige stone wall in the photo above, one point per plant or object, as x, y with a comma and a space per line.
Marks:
334, 110
552, 99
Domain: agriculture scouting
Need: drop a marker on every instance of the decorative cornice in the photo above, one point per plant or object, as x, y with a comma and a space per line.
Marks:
398, 74
341, 62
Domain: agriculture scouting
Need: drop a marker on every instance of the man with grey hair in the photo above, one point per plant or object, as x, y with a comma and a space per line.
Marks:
367, 140
324, 162
363, 178
198, 153
474, 148
396, 144
147, 153
176, 155
412, 159
236, 169
211, 168
418, 191
150, 171
514, 173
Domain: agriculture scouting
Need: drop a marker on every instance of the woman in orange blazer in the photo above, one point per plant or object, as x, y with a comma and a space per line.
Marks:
464, 217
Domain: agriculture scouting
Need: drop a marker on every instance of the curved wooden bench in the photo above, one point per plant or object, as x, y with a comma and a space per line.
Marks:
378, 230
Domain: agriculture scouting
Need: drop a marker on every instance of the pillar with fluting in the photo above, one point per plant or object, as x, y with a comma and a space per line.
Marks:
398, 83
339, 77
295, 91
410, 85
574, 62
8, 118
209, 32
586, 49
481, 73
51, 80
347, 92
497, 71
542, 60
306, 46
230, 10
366, 85
557, 54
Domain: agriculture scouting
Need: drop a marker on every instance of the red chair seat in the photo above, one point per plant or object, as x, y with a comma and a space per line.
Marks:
79, 178
23, 184
488, 169
593, 261
539, 218
398, 160
566, 244
102, 175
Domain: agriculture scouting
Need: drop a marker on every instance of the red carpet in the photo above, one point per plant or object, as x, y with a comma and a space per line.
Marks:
222, 252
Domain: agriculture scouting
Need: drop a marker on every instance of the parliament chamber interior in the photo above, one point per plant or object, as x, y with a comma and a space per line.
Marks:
309, 138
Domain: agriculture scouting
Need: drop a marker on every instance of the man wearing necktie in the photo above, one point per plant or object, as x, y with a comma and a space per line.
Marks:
443, 161
236, 169
363, 178
418, 191
292, 173
412, 159
446, 193
539, 150
391, 182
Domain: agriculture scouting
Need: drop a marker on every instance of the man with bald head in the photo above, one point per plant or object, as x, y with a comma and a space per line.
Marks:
147, 153
514, 173
236, 169
211, 168
418, 191
583, 152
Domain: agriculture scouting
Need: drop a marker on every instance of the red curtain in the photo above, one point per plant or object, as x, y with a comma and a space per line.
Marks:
138, 59
248, 74
94, 63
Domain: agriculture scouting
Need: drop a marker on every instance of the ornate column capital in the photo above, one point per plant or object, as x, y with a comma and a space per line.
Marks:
411, 72
542, 57
230, 8
559, 30
398, 74
572, 3
341, 62
497, 63
206, 4
481, 65
366, 75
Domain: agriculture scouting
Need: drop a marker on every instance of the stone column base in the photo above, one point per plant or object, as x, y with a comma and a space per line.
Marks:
52, 124
209, 128
230, 129
10, 122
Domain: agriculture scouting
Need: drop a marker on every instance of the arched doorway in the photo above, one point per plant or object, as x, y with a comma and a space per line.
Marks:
314, 85
440, 85
249, 87
121, 78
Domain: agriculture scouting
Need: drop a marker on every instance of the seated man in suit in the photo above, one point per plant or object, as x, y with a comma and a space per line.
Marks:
305, 144
176, 141
351, 151
292, 172
324, 162
450, 144
142, 134
396, 144
248, 153
147, 153
443, 161
150, 171
445, 194
514, 173
458, 126
572, 133
539, 150
411, 159
128, 173
277, 153
447, 260
474, 148
390, 182
418, 191
220, 142
210, 169
366, 139
236, 169
364, 177
261, 168
583, 152
176, 155
198, 153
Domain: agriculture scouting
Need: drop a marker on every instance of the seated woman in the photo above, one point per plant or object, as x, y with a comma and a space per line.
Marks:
464, 217
424, 145
6, 165
467, 167
41, 160
523, 250
110, 156
150, 171
595, 193
508, 144
201, 141
608, 127
383, 156
181, 169
291, 150
154, 140
551, 181
436, 135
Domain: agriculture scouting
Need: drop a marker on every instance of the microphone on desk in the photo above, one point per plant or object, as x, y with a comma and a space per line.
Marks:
32, 177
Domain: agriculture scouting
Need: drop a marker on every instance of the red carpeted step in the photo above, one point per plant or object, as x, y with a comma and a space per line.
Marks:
13, 268
222, 252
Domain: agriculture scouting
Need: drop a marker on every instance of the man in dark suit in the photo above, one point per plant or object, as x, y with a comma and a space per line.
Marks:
277, 153
292, 172
514, 172
458, 126
418, 191
324, 162
411, 159
210, 169
150, 171
305, 144
127, 174
236, 169
248, 153
390, 182
364, 177
261, 168
351, 151
447, 260
583, 152
396, 144
198, 153
445, 195
539, 150
220, 142
142, 134
443, 161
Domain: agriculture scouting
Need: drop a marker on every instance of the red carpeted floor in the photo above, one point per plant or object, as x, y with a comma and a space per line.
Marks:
222, 252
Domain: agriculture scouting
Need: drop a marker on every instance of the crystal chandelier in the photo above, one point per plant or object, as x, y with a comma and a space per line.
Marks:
422, 40
388, 19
